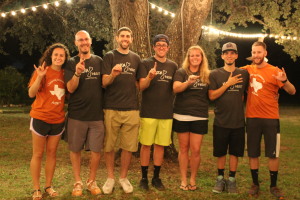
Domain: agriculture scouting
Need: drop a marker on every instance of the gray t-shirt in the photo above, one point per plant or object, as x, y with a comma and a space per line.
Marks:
157, 99
229, 108
194, 100
122, 94
86, 102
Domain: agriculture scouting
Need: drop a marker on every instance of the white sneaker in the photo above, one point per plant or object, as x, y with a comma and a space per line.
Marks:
108, 186
126, 185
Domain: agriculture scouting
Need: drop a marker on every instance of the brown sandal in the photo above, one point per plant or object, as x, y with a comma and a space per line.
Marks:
192, 187
50, 191
184, 187
36, 195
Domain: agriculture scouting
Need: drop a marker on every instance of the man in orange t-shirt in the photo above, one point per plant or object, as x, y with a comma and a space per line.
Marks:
262, 114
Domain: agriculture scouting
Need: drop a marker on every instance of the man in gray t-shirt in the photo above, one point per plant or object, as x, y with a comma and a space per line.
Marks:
121, 69
227, 88
156, 109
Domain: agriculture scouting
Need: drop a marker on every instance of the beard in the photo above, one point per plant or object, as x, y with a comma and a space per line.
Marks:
261, 60
229, 63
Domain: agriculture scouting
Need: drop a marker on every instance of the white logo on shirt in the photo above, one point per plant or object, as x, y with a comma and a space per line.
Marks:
58, 92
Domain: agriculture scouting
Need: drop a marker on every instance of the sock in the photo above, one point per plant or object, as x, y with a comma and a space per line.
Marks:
273, 177
221, 172
156, 171
144, 172
254, 174
232, 174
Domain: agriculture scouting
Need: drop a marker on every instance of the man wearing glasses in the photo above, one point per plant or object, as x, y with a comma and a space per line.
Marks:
156, 109
83, 75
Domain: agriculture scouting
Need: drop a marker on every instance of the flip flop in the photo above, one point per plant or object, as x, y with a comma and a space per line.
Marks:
184, 187
192, 187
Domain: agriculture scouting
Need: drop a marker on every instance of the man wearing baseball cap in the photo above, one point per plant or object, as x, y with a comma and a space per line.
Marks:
156, 109
227, 87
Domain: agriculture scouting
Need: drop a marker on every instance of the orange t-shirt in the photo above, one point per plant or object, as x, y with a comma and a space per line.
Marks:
48, 105
262, 100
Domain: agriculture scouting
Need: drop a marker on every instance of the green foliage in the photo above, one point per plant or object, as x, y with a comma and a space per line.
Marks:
12, 87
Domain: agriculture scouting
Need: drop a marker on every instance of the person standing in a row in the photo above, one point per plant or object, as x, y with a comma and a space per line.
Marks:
191, 112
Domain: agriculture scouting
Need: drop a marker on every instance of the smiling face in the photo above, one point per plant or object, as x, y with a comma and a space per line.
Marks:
229, 57
58, 57
195, 58
161, 49
83, 42
124, 39
258, 54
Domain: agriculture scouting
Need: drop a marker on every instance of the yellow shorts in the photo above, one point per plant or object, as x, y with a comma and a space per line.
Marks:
121, 130
155, 131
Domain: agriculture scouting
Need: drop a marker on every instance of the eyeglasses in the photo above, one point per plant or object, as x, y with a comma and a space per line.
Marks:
161, 45
82, 40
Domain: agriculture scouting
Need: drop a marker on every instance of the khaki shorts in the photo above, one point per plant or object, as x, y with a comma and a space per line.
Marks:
155, 131
121, 130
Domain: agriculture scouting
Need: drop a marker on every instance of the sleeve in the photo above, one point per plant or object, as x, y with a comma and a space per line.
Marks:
179, 76
69, 70
244, 67
212, 81
143, 69
107, 63
140, 70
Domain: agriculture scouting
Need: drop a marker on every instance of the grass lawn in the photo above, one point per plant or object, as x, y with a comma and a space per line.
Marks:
16, 183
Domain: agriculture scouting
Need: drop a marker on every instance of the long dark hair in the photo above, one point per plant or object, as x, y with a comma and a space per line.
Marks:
46, 57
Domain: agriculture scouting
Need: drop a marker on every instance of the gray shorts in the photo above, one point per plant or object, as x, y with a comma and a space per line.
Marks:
88, 135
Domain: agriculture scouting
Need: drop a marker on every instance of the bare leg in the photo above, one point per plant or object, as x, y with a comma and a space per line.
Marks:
94, 164
158, 155
254, 163
76, 164
51, 148
145, 155
38, 145
125, 162
183, 156
233, 163
273, 164
109, 160
221, 162
195, 145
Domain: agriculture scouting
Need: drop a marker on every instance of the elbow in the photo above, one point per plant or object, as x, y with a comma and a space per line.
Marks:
293, 92
31, 95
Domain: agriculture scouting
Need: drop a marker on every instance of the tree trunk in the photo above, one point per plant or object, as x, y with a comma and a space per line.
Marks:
133, 14
194, 14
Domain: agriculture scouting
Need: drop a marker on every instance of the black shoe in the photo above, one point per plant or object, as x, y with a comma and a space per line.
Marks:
156, 182
144, 184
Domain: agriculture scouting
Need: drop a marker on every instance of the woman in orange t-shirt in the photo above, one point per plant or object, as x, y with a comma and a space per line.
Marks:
47, 114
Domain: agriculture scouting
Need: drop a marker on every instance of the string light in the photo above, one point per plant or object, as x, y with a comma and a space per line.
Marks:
166, 12
34, 8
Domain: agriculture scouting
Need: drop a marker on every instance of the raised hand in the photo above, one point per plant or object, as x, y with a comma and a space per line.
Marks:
192, 79
116, 70
152, 72
80, 66
281, 76
232, 80
41, 70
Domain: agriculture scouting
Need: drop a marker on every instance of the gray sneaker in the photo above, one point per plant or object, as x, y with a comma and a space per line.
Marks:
220, 185
231, 185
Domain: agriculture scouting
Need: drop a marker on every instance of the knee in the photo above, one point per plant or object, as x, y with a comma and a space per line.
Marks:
195, 152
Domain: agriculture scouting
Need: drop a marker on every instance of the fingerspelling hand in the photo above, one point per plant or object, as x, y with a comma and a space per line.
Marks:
116, 70
41, 70
152, 72
232, 80
80, 66
281, 76
192, 79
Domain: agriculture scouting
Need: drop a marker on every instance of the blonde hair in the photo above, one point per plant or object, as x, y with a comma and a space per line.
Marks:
203, 68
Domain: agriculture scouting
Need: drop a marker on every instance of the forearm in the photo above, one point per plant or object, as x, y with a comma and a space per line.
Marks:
214, 94
180, 86
144, 83
289, 88
73, 84
34, 88
107, 80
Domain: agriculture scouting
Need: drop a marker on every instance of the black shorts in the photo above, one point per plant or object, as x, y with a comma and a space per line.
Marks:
44, 129
270, 128
234, 138
198, 127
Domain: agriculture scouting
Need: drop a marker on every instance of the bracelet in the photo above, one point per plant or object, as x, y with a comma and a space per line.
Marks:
76, 75
284, 81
